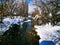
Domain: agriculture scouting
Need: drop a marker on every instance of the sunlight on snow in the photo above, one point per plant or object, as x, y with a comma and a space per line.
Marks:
48, 32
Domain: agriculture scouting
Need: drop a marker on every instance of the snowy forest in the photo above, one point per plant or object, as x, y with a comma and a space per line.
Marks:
29, 22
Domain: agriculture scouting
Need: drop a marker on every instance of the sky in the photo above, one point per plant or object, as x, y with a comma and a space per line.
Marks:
29, 1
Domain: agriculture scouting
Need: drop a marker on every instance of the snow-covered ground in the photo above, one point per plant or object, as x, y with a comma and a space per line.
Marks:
7, 23
46, 32
49, 32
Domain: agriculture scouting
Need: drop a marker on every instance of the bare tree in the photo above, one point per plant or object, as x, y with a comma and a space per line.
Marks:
47, 6
19, 7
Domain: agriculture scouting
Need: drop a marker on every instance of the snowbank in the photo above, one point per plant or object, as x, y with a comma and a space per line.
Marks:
48, 32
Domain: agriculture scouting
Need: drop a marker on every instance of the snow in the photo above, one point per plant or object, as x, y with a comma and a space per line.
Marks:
7, 20
15, 20
48, 32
